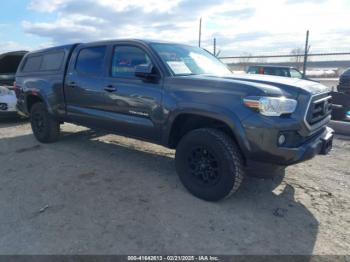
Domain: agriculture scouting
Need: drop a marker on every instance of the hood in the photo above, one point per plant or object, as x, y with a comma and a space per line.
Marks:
286, 83
249, 85
229, 85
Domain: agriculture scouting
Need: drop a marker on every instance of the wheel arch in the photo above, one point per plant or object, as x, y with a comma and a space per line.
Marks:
186, 120
35, 97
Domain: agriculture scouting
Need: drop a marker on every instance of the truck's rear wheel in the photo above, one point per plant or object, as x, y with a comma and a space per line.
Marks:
45, 128
209, 164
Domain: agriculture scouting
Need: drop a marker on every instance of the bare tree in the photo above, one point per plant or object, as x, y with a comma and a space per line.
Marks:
261, 60
298, 57
244, 60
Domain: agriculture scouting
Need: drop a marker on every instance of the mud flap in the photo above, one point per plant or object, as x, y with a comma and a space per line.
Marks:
327, 144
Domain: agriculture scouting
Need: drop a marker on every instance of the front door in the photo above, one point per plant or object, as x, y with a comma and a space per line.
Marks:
134, 102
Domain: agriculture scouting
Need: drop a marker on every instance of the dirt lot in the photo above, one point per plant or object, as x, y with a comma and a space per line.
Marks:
92, 193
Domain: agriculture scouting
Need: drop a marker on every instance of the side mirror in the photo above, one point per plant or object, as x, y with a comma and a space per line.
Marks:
144, 71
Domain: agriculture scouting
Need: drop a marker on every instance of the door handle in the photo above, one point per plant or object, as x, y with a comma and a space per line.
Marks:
72, 84
110, 88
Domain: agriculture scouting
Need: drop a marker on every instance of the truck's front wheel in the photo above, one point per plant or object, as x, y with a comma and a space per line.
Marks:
45, 128
209, 164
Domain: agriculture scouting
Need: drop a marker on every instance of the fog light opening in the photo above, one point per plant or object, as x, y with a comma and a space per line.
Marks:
281, 140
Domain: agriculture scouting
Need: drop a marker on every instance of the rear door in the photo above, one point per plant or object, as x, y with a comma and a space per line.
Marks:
85, 85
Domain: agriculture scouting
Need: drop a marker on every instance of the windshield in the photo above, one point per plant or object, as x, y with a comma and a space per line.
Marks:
188, 60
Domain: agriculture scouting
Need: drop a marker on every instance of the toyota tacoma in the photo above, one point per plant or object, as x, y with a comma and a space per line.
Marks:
222, 126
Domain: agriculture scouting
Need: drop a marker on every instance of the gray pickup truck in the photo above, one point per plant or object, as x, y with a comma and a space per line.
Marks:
221, 125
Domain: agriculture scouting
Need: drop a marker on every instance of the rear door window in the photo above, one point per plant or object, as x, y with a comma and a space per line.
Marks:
32, 63
90, 60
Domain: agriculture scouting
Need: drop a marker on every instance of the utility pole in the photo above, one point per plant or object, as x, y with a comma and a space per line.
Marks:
214, 46
306, 53
200, 32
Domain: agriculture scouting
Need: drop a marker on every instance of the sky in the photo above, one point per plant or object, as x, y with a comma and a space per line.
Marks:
240, 26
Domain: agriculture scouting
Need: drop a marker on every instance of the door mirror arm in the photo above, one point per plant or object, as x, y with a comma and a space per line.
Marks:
146, 71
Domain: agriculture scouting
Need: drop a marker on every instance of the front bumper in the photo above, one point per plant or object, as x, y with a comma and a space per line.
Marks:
264, 148
8, 103
321, 144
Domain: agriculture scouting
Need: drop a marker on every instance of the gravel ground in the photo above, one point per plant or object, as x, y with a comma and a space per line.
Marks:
92, 193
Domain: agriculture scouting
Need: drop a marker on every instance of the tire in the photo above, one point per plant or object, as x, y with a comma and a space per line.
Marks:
45, 128
209, 164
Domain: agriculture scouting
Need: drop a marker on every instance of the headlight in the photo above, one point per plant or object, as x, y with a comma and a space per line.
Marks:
271, 106
5, 91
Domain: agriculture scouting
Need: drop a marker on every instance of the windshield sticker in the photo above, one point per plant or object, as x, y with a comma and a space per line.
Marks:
179, 67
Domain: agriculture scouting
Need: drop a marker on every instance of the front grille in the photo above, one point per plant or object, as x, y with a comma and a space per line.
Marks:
320, 107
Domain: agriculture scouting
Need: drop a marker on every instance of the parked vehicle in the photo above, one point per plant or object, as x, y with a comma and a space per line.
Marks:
8, 102
344, 82
8, 67
221, 125
341, 99
285, 71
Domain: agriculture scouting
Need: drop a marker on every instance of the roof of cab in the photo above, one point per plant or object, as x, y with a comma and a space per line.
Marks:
111, 41
144, 41
54, 48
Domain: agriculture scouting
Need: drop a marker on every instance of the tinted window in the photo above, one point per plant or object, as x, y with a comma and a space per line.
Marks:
52, 61
125, 59
276, 71
32, 63
90, 60
253, 70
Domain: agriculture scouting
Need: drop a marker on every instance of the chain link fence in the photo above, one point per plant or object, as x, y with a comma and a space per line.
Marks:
319, 65
323, 67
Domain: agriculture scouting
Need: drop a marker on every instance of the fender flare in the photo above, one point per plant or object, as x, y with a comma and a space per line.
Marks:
220, 114
39, 95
